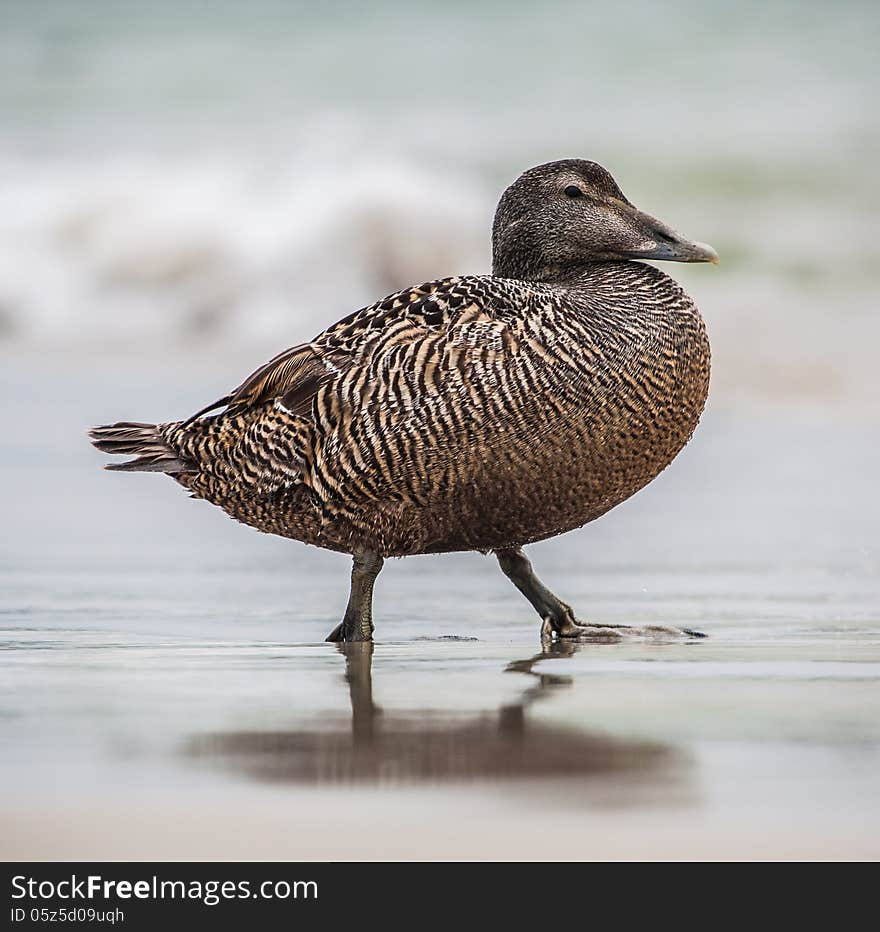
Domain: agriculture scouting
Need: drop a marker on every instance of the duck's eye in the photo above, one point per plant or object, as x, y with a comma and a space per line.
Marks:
573, 191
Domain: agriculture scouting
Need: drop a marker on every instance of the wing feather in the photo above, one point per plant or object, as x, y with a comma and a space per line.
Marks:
296, 374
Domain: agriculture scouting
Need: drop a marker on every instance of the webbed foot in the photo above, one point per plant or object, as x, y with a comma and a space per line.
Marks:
337, 633
564, 624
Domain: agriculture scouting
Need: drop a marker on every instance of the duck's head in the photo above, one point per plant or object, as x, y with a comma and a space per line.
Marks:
559, 216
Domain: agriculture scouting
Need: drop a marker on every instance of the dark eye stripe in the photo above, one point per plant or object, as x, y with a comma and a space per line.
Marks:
573, 191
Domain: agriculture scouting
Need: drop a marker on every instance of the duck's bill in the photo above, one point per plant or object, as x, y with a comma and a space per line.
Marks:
682, 251
663, 243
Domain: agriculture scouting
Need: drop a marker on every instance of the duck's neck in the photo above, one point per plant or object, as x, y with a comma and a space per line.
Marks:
519, 251
529, 267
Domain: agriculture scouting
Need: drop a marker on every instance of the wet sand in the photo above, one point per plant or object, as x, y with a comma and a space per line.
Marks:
165, 691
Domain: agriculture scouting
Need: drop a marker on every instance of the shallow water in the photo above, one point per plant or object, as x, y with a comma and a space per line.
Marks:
166, 692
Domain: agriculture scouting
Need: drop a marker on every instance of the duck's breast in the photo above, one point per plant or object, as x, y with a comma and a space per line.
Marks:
530, 421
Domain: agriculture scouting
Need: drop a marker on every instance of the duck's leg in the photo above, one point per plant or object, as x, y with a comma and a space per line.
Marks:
559, 619
357, 625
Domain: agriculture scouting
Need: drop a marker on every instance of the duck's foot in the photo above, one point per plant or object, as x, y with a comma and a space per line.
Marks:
357, 626
350, 631
558, 619
336, 635
565, 625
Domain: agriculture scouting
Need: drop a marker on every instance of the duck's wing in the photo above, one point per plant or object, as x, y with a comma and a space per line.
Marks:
428, 376
443, 382
294, 377
296, 373
432, 381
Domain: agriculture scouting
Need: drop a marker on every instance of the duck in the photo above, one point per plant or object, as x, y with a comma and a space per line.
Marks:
470, 413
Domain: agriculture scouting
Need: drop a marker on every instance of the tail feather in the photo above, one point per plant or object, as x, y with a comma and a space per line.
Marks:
143, 441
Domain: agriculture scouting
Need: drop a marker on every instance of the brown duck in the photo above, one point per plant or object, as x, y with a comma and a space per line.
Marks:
481, 412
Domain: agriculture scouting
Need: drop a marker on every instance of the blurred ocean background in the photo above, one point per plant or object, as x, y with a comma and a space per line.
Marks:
240, 174
188, 187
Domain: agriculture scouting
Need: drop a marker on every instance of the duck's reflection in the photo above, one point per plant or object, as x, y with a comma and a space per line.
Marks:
387, 746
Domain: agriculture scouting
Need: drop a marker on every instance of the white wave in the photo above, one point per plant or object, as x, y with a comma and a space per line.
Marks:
139, 248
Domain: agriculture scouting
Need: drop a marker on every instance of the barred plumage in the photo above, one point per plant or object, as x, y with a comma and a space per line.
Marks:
468, 413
